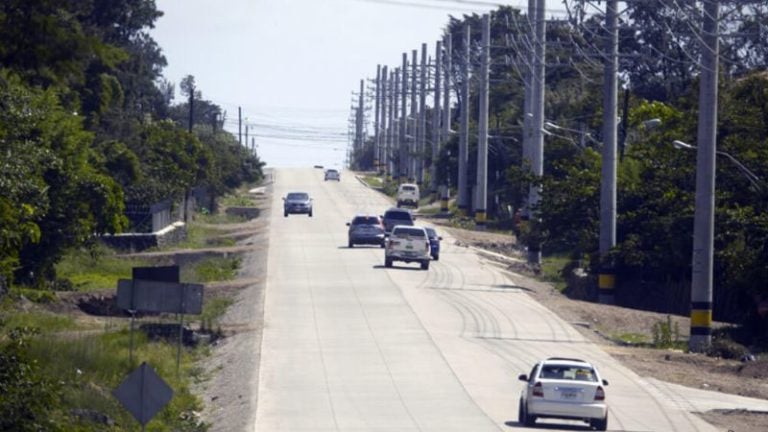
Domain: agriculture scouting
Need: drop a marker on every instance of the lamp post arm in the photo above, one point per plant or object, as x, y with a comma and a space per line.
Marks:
752, 177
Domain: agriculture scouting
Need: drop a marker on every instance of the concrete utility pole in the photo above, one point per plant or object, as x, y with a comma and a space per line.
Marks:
359, 129
384, 103
404, 121
481, 195
246, 133
447, 87
422, 129
528, 103
394, 135
376, 133
704, 219
412, 118
606, 277
446, 135
436, 139
240, 125
537, 150
464, 127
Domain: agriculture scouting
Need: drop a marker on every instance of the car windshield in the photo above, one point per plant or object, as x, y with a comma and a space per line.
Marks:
410, 232
365, 220
298, 196
409, 188
332, 171
399, 215
568, 372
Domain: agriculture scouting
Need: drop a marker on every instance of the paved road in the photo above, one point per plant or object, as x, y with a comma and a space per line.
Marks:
351, 346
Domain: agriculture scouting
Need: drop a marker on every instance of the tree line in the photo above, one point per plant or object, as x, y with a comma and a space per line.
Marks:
88, 128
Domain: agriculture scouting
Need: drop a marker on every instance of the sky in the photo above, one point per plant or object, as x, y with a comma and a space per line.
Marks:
293, 65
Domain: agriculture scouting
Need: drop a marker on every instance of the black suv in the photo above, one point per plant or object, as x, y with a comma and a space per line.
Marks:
396, 216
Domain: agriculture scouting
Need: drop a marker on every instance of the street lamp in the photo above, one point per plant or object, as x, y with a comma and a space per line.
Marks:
752, 177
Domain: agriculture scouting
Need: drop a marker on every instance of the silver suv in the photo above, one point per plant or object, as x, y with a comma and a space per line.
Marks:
409, 244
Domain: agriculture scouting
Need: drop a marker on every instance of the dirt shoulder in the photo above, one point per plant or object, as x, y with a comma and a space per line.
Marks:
601, 322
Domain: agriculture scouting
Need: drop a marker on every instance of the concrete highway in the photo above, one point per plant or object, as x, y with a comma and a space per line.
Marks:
351, 346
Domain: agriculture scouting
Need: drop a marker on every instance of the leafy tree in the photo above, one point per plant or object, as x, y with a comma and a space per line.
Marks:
56, 197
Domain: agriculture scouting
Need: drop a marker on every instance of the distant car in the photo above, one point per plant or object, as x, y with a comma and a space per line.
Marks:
407, 243
332, 174
364, 229
319, 166
396, 216
408, 194
564, 388
434, 243
297, 202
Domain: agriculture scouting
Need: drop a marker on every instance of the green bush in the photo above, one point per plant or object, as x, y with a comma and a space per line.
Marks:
666, 334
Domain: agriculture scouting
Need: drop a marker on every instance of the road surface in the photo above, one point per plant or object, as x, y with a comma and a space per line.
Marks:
349, 345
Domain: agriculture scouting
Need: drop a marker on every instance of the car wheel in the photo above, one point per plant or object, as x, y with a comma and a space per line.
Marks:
350, 244
387, 262
600, 424
310, 214
425, 265
436, 257
382, 245
521, 412
285, 214
528, 420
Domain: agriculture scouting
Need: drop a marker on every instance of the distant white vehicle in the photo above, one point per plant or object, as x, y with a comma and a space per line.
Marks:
564, 388
408, 194
332, 174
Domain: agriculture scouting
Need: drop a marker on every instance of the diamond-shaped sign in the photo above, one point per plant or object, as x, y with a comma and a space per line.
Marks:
143, 393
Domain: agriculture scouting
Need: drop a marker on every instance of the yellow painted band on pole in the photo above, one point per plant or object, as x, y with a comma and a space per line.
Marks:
701, 318
444, 204
606, 281
480, 217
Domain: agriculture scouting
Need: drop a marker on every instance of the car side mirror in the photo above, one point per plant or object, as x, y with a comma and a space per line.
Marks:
522, 377
283, 198
605, 382
439, 238
347, 223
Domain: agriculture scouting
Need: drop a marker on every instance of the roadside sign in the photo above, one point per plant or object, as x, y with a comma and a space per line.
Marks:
155, 296
159, 273
143, 393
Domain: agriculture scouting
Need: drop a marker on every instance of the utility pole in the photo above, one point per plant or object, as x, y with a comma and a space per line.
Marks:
422, 129
447, 86
376, 135
412, 118
606, 277
528, 103
382, 154
246, 133
704, 218
446, 135
464, 127
481, 196
394, 150
404, 121
359, 129
240, 125
537, 150
436, 139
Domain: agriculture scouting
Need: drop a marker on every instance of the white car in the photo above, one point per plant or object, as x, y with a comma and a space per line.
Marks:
332, 174
409, 244
564, 388
408, 194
